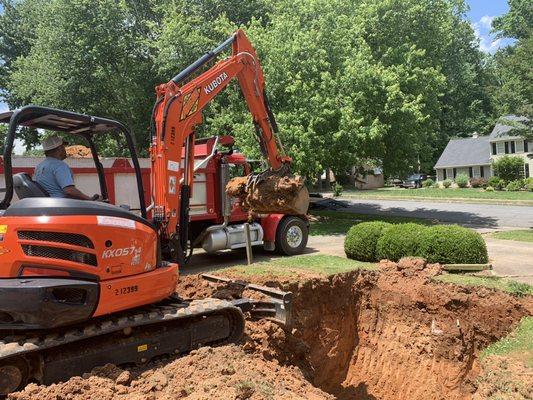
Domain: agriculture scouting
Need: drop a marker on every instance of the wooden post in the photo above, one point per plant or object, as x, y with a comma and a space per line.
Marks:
248, 243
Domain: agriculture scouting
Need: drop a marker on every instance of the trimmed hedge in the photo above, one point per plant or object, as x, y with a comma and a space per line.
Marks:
361, 239
400, 241
452, 244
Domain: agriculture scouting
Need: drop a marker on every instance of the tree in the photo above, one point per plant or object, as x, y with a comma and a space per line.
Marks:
509, 168
511, 85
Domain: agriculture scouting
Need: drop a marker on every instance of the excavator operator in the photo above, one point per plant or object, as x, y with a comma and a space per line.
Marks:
54, 174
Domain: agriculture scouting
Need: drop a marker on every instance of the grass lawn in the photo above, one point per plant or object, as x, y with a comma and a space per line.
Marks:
517, 345
506, 285
287, 266
338, 222
444, 194
525, 235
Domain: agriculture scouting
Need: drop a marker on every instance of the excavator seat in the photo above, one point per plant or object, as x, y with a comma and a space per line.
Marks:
27, 187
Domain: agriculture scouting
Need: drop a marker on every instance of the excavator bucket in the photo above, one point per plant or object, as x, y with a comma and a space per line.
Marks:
270, 194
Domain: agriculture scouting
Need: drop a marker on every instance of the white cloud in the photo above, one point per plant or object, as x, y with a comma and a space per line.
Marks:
487, 41
486, 21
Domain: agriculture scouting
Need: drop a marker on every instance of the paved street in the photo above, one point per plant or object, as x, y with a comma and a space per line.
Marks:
468, 214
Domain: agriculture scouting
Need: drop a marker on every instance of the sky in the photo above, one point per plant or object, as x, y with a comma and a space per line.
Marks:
481, 14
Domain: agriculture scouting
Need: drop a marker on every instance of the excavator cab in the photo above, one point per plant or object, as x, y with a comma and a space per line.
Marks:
66, 260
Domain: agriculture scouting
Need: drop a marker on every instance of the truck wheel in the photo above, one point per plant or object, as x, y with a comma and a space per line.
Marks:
291, 236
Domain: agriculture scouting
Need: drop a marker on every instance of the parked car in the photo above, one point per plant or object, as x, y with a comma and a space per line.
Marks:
414, 181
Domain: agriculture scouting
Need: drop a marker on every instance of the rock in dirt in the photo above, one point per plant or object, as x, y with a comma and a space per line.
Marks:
272, 195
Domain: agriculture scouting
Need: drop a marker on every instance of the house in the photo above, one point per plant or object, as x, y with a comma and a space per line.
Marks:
474, 156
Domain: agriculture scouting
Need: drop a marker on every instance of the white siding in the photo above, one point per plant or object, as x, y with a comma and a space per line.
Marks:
519, 146
476, 172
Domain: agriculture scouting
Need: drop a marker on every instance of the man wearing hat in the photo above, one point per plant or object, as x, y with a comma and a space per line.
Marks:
54, 175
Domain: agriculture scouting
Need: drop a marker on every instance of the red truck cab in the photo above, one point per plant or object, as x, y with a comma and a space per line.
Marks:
217, 221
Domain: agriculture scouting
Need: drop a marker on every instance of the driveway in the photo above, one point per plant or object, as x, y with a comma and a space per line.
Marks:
492, 216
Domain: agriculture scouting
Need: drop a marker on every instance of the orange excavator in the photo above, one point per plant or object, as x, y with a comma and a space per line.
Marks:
87, 283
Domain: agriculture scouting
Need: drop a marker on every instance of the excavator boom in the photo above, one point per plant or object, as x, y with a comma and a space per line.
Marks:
177, 112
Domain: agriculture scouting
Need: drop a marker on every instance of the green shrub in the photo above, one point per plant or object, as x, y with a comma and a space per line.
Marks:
515, 186
509, 168
399, 241
446, 183
489, 189
461, 180
478, 182
337, 189
496, 182
528, 184
453, 244
428, 183
361, 240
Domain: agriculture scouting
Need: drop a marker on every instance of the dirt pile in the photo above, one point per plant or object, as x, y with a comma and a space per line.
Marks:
392, 334
226, 372
271, 195
78, 151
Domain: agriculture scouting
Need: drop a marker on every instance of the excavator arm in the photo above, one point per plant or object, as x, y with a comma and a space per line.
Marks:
177, 112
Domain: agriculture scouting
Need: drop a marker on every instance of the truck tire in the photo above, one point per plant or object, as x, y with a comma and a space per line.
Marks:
291, 236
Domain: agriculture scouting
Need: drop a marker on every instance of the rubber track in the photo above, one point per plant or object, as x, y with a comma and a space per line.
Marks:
23, 344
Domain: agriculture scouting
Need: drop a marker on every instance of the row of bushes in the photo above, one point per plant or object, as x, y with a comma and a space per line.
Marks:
446, 244
493, 183
518, 184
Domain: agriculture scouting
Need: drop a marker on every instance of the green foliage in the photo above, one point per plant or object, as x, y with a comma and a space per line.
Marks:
428, 183
489, 189
519, 235
478, 182
461, 180
515, 186
399, 241
528, 184
337, 189
517, 22
506, 285
350, 82
509, 168
453, 244
496, 182
447, 183
361, 240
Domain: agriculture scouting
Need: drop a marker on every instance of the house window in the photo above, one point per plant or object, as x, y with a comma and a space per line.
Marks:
500, 148
444, 174
513, 149
526, 170
506, 144
476, 171
527, 146
449, 173
519, 146
470, 172
493, 149
482, 170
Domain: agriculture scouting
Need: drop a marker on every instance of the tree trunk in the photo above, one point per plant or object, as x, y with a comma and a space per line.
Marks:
319, 181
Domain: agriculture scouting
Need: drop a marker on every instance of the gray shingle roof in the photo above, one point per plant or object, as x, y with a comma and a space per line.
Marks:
501, 130
463, 152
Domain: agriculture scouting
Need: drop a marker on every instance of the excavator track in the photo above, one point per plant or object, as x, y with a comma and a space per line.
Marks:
134, 336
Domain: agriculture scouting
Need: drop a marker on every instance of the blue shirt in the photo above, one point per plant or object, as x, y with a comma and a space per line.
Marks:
54, 175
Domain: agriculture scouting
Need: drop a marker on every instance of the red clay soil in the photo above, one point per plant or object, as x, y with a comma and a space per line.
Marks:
393, 334
79, 151
226, 372
274, 194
